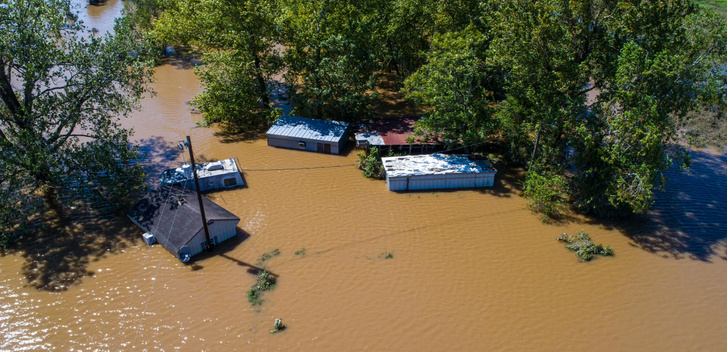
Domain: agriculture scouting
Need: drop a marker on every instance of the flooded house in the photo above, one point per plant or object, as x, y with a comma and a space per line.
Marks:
212, 175
437, 171
171, 216
312, 135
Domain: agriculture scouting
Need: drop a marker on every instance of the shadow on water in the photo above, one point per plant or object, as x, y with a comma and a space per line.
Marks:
158, 155
688, 218
61, 248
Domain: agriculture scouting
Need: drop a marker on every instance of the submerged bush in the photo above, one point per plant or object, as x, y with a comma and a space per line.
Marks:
583, 246
371, 164
265, 282
544, 194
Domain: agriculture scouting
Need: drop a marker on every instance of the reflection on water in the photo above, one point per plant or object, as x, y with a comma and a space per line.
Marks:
470, 270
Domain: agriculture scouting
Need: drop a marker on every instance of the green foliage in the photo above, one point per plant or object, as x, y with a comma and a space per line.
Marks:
386, 255
264, 282
236, 109
278, 326
330, 58
268, 256
371, 164
650, 63
62, 92
459, 85
545, 193
301, 252
583, 246
239, 57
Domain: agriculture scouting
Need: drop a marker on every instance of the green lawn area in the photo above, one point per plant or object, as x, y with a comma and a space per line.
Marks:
718, 6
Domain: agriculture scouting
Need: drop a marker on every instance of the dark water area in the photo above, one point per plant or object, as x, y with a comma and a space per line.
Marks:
688, 219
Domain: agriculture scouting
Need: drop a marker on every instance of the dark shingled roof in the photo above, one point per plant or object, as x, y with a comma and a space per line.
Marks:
172, 214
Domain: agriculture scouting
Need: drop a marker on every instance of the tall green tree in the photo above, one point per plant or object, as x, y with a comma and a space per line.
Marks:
62, 93
642, 61
237, 42
460, 86
330, 58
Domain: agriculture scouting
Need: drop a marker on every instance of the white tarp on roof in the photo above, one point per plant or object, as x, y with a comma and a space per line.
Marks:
434, 164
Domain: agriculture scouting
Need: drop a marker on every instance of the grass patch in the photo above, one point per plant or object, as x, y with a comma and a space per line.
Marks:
269, 255
583, 246
386, 255
264, 282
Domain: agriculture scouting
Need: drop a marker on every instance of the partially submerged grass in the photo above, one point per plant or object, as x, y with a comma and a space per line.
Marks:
583, 246
265, 282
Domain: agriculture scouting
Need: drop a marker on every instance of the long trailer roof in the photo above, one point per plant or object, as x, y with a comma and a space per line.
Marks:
305, 128
435, 164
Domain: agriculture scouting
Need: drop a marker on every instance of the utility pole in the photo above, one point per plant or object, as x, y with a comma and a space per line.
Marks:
208, 243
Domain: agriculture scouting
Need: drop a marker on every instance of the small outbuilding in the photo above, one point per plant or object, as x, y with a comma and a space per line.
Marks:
437, 171
171, 216
313, 135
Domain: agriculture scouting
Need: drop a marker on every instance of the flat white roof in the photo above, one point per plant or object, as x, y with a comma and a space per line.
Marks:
434, 164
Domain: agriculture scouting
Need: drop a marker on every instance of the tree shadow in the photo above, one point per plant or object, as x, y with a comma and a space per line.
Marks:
158, 155
182, 58
688, 218
62, 246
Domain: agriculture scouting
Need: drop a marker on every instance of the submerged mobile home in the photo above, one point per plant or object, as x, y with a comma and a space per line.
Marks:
312, 135
437, 171
212, 175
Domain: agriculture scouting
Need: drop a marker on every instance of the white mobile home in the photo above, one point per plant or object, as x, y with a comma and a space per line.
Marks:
171, 216
437, 171
312, 135
212, 175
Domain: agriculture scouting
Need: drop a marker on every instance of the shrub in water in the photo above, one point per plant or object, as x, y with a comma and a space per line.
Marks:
583, 246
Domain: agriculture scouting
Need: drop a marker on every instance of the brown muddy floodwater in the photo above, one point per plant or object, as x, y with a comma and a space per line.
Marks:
470, 270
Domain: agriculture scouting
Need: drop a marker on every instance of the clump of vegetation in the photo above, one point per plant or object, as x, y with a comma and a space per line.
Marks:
300, 252
583, 246
269, 255
386, 255
278, 326
545, 194
371, 163
265, 282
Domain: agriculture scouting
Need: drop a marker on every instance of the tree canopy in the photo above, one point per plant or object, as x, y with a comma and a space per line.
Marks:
603, 86
63, 90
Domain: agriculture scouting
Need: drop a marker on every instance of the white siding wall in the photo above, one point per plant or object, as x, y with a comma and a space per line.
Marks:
222, 229
444, 181
311, 145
